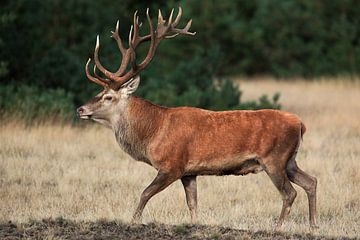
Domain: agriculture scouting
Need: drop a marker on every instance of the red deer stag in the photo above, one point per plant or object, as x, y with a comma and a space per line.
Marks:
184, 142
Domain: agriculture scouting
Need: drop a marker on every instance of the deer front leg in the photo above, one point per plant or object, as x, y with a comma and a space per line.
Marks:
161, 181
189, 183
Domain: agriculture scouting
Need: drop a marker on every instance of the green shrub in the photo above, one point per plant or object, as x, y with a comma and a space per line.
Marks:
192, 83
30, 103
262, 103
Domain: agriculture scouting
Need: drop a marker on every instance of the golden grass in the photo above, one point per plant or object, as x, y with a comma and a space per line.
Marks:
80, 173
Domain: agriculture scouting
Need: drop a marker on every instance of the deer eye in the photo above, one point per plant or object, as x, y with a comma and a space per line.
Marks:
108, 97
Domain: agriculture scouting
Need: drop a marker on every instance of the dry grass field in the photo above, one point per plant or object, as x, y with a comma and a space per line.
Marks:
79, 173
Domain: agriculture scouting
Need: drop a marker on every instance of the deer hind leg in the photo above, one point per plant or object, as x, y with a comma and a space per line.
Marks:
287, 191
189, 183
308, 183
161, 181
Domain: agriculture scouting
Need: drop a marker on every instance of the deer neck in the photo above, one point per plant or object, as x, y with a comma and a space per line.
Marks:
136, 125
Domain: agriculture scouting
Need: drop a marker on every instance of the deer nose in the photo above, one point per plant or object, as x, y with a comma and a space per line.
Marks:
80, 110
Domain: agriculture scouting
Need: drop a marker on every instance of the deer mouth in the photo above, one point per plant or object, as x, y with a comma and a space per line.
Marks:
87, 116
84, 113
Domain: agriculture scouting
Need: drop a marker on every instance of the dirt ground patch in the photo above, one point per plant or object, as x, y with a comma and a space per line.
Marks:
66, 229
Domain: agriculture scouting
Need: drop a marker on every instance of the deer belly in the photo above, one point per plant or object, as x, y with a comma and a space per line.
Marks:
237, 165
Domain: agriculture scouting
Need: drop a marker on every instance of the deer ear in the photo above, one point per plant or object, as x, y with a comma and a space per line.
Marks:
131, 86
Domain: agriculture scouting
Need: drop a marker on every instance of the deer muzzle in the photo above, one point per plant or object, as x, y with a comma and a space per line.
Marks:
84, 113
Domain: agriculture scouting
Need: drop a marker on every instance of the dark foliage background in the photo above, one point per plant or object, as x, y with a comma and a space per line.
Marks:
45, 44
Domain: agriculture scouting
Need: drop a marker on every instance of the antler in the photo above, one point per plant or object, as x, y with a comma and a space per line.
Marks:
165, 29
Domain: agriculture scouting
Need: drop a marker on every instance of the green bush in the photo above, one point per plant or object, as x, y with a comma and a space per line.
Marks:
192, 83
31, 103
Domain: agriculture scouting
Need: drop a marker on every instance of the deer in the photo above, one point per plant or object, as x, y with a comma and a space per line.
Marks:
182, 143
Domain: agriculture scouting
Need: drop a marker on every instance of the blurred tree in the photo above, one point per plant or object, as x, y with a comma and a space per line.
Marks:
6, 20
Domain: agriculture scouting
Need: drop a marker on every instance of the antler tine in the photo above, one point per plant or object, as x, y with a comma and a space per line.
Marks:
116, 36
130, 36
94, 79
97, 61
97, 76
131, 49
172, 36
185, 30
160, 18
170, 17
136, 26
178, 17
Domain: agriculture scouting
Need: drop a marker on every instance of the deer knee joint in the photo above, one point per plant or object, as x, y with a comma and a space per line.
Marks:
313, 186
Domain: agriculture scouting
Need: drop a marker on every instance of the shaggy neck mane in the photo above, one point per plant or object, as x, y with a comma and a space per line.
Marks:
144, 117
137, 125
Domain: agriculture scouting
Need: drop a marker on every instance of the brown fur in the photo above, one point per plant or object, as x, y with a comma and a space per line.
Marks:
184, 142
194, 141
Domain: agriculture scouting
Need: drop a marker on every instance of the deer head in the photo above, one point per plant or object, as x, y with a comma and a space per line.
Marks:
118, 86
